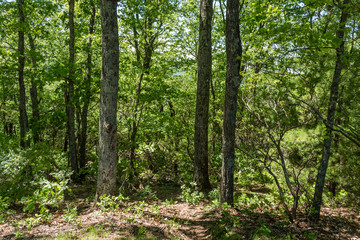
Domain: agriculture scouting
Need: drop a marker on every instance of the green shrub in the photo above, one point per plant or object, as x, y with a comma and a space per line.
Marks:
108, 203
111, 203
37, 177
146, 193
48, 193
190, 195
4, 204
24, 172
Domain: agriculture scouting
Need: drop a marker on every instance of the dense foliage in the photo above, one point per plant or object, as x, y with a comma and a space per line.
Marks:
290, 50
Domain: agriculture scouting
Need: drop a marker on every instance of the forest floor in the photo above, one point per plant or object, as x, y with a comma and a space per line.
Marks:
168, 217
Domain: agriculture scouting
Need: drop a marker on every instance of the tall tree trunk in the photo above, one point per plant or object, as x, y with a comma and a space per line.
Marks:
24, 124
82, 150
34, 92
106, 181
334, 90
201, 172
70, 104
233, 56
138, 91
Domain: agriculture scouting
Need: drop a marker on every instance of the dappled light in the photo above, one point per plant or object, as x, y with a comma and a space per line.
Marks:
180, 119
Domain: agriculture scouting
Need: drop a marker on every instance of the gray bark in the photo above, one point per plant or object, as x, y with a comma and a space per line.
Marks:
24, 124
106, 181
233, 56
281, 193
334, 91
201, 172
70, 103
293, 190
82, 148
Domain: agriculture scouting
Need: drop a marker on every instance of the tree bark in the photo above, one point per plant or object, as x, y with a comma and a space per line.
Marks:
70, 104
201, 172
176, 146
334, 91
34, 93
138, 91
233, 57
82, 149
106, 181
24, 124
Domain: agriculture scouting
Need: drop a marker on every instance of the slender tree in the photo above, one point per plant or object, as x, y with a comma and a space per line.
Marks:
334, 92
70, 92
146, 20
106, 181
201, 175
82, 148
34, 92
24, 124
233, 57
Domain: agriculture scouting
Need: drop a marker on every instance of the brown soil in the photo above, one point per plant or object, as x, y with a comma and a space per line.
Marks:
158, 220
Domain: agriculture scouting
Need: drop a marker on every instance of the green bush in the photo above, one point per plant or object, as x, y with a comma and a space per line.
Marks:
4, 204
37, 177
190, 195
111, 203
146, 193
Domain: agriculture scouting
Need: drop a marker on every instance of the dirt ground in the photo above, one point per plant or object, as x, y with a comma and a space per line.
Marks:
174, 219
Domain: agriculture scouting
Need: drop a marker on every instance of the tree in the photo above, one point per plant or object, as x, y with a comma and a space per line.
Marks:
106, 181
70, 110
233, 79
34, 92
334, 92
145, 25
24, 124
84, 114
201, 175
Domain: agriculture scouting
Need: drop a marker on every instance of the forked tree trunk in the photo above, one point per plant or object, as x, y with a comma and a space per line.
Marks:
106, 181
233, 57
334, 91
201, 172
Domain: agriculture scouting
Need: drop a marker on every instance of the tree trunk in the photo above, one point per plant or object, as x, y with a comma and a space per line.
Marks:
233, 56
134, 123
294, 193
134, 129
146, 64
82, 150
176, 145
201, 173
106, 181
34, 93
70, 104
334, 90
24, 124
281, 193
